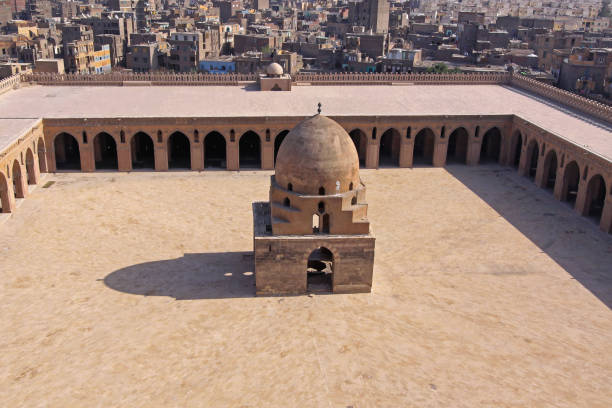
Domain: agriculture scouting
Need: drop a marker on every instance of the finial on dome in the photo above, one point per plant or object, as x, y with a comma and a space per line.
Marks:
319, 108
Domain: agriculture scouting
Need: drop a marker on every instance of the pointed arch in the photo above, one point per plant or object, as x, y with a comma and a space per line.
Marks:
595, 197
18, 184
516, 147
249, 150
490, 148
571, 180
105, 152
457, 146
551, 165
179, 151
67, 153
360, 140
42, 155
31, 167
533, 156
215, 150
142, 151
389, 148
320, 270
424, 143
5, 200
278, 140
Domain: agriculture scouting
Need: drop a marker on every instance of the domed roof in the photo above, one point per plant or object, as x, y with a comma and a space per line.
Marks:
274, 69
317, 154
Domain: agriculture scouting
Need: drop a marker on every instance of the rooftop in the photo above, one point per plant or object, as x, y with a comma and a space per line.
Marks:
232, 101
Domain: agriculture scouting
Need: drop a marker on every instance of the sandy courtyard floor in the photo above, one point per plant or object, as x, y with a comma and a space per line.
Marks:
136, 290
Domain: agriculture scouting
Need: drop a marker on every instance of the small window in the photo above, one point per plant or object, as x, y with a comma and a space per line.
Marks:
408, 133
159, 136
321, 207
351, 186
196, 136
290, 187
443, 133
354, 200
321, 190
267, 135
315, 223
122, 136
232, 136
287, 202
374, 134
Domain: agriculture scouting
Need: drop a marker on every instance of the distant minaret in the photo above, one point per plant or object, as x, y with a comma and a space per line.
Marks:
372, 14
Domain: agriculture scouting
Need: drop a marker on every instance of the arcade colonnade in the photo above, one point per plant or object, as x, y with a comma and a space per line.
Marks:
570, 172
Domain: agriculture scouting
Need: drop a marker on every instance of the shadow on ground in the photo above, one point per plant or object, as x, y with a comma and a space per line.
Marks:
572, 241
194, 276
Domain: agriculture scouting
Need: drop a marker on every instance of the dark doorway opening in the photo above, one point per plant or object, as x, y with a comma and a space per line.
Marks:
424, 147
491, 146
17, 184
278, 141
250, 150
550, 170
143, 151
533, 155
360, 141
596, 197
389, 151
517, 146
214, 151
105, 152
320, 271
571, 180
179, 152
67, 155
4, 197
457, 146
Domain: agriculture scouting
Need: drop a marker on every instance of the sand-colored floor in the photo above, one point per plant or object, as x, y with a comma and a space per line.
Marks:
136, 290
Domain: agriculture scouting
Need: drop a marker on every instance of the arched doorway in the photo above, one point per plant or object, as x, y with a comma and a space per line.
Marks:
360, 141
389, 150
571, 180
550, 170
533, 155
320, 271
179, 152
214, 150
249, 150
4, 196
17, 182
31, 167
424, 147
42, 157
517, 146
143, 151
457, 146
278, 140
105, 152
67, 155
596, 197
491, 146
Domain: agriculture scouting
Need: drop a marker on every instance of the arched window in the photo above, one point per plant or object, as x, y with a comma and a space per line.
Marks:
315, 223
351, 186
287, 202
321, 207
290, 187
321, 190
354, 200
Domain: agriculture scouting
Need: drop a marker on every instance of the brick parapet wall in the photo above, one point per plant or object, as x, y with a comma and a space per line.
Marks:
581, 104
9, 83
121, 79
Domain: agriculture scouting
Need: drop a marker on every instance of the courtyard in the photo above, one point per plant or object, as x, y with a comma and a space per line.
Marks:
138, 290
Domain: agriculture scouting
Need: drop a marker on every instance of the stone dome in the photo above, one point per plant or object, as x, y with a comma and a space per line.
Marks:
274, 69
317, 157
